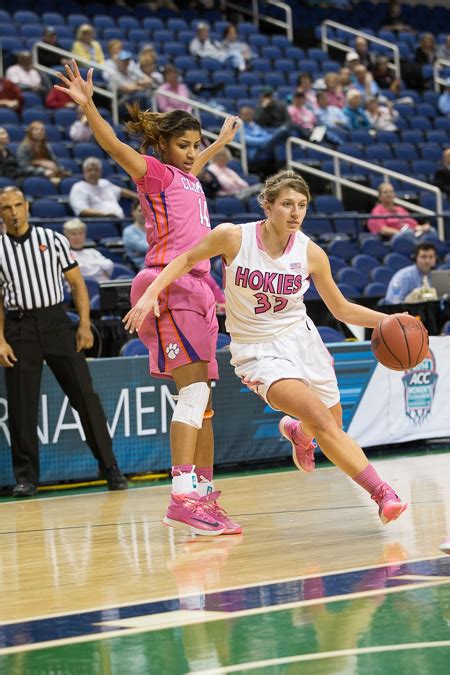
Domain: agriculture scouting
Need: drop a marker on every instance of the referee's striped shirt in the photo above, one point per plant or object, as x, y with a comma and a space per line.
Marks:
32, 267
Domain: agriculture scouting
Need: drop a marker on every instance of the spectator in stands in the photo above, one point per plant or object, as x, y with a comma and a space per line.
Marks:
148, 63
443, 50
362, 49
301, 114
80, 129
330, 116
46, 57
129, 80
135, 239
384, 76
270, 112
351, 61
444, 99
230, 182
93, 265
25, 75
202, 45
10, 95
426, 51
345, 79
114, 47
336, 96
261, 143
85, 47
394, 220
354, 111
305, 83
363, 81
172, 84
394, 19
413, 276
209, 183
96, 196
238, 53
35, 151
381, 116
58, 99
442, 175
9, 165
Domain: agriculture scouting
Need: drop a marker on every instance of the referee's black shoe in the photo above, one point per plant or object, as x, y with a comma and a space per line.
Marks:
24, 489
115, 478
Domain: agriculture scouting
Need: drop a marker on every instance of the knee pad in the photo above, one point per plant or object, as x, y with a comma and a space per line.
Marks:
191, 404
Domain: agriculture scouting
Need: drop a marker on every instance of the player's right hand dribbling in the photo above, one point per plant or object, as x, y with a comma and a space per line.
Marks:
134, 319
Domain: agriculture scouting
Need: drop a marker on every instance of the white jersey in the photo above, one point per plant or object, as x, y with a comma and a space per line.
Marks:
264, 297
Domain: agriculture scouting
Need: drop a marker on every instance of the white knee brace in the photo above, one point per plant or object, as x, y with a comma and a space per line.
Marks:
191, 404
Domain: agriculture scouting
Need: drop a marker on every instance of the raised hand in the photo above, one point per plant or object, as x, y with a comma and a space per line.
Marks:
229, 128
78, 89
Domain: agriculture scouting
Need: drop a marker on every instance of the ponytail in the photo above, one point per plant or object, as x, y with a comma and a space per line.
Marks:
153, 127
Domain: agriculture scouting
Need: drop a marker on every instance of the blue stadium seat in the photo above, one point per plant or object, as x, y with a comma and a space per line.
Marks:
271, 52
31, 30
83, 150
364, 263
336, 264
15, 132
229, 205
281, 41
32, 114
103, 21
274, 79
412, 136
176, 24
406, 151
128, 23
174, 49
430, 151
249, 78
223, 340
375, 289
64, 117
66, 184
223, 76
361, 136
31, 100
122, 271
185, 62
76, 19
381, 274
138, 35
92, 287
261, 65
380, 152
102, 230
329, 334
8, 116
420, 122
258, 41
352, 277
436, 136
349, 291
26, 16
152, 24
425, 166
134, 348
442, 124
110, 33
403, 245
343, 248
294, 53
196, 77
375, 247
48, 208
37, 186
6, 182
328, 204
396, 261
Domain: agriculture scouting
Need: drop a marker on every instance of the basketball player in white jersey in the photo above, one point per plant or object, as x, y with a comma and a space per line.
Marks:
276, 349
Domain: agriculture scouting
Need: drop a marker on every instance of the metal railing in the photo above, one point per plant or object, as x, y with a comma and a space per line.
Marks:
257, 16
108, 93
197, 107
338, 180
438, 78
331, 42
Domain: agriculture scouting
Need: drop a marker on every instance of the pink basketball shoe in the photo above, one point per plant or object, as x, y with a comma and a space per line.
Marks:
390, 506
303, 446
188, 512
215, 510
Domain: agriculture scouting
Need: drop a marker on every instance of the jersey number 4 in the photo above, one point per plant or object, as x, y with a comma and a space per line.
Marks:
265, 305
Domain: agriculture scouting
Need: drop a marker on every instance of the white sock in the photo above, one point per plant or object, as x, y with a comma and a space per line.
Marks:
204, 486
184, 483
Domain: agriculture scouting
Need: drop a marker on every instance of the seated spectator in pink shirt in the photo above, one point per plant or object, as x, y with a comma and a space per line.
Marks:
300, 113
93, 265
172, 84
305, 84
334, 90
396, 220
230, 182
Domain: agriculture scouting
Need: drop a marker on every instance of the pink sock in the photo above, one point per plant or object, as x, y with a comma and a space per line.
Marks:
182, 468
205, 472
368, 479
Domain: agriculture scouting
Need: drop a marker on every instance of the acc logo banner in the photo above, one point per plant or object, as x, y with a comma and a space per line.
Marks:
420, 385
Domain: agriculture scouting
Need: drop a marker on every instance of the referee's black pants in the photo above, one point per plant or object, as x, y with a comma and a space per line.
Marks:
48, 334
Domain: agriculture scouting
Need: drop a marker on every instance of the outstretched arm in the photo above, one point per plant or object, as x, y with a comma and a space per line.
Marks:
81, 92
227, 133
339, 306
224, 240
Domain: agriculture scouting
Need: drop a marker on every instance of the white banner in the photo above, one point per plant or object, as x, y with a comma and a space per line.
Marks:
404, 406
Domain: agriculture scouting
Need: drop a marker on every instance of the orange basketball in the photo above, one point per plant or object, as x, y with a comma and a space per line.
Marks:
400, 341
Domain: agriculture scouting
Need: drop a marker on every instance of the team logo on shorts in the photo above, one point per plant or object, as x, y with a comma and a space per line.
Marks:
172, 350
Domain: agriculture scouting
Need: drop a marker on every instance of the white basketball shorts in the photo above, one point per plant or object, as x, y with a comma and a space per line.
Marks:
298, 355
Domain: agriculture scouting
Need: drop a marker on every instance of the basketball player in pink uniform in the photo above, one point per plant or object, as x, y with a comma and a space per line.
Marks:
182, 338
276, 349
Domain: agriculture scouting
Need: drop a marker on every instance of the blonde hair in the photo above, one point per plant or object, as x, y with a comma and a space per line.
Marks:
73, 225
82, 29
283, 180
155, 127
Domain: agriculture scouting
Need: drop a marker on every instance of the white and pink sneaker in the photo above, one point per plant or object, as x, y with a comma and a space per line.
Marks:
303, 446
188, 512
215, 510
390, 505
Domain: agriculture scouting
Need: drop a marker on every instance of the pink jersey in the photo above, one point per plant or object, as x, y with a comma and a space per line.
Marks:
176, 213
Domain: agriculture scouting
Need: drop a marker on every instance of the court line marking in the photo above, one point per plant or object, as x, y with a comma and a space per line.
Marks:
250, 665
123, 633
221, 589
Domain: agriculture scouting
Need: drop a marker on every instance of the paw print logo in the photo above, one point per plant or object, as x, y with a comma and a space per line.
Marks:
172, 350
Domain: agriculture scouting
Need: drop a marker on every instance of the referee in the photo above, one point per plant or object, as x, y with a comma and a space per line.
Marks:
34, 327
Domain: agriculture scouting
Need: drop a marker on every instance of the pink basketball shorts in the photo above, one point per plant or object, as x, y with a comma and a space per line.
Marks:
186, 331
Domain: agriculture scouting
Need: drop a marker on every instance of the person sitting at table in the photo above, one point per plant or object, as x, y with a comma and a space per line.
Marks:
412, 277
